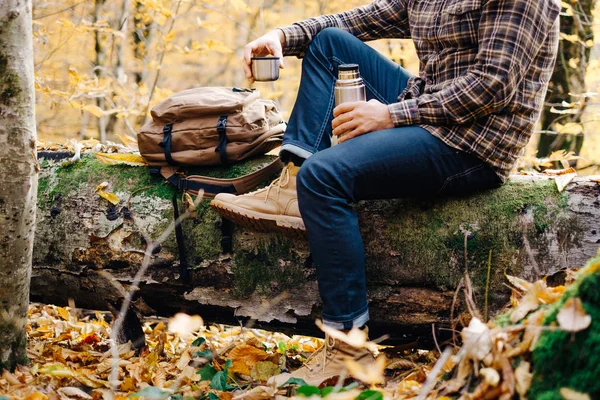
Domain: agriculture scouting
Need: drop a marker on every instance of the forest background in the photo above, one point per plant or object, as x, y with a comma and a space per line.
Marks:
101, 64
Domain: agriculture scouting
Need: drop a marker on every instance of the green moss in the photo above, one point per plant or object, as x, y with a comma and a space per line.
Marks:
9, 81
204, 234
271, 268
70, 178
429, 235
124, 178
43, 184
572, 360
17, 349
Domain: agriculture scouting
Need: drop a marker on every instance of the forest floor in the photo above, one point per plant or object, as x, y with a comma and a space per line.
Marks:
540, 347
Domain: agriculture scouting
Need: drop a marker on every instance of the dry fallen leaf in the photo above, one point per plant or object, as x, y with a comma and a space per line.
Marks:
371, 374
263, 370
355, 337
111, 197
184, 324
560, 171
133, 160
245, 357
129, 142
572, 317
258, 393
570, 394
73, 393
563, 180
477, 340
523, 377
490, 376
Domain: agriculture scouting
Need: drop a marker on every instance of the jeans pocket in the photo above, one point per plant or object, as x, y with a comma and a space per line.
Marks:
473, 179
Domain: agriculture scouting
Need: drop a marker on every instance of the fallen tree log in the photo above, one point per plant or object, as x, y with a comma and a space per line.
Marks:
415, 250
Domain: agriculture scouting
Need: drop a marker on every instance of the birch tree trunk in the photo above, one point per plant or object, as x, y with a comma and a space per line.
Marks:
18, 176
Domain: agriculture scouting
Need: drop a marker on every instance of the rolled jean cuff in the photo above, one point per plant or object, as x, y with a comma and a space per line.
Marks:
344, 324
298, 148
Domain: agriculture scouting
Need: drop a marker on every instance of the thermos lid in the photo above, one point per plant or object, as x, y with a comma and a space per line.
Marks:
348, 67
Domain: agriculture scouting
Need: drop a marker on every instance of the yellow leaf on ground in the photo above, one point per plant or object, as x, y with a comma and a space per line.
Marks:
134, 160
245, 357
36, 396
113, 198
57, 369
63, 313
572, 316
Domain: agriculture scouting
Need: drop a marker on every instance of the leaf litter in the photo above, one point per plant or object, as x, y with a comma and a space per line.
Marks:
183, 358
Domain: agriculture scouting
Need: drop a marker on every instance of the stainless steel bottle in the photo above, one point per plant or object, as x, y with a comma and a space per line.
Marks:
348, 87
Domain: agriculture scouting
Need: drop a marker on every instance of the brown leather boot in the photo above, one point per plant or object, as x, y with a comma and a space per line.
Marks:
327, 362
272, 208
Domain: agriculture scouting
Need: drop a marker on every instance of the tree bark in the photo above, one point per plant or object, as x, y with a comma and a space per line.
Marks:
18, 177
100, 68
415, 251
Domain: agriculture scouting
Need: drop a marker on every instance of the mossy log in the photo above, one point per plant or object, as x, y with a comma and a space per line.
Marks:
415, 250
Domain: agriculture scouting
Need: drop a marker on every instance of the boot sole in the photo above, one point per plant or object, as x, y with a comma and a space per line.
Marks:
259, 221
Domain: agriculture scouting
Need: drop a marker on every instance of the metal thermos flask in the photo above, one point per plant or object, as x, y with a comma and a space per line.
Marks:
348, 87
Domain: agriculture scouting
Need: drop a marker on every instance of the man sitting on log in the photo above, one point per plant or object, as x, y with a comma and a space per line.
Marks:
456, 128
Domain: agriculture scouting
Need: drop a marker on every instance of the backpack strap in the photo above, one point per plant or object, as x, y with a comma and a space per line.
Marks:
184, 273
166, 143
213, 186
222, 146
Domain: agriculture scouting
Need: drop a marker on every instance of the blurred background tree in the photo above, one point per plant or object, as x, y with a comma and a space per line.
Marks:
100, 65
567, 94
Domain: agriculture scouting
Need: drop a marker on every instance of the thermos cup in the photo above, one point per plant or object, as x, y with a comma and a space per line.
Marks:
265, 69
348, 87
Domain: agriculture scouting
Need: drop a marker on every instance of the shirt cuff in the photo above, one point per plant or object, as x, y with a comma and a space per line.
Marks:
296, 40
405, 112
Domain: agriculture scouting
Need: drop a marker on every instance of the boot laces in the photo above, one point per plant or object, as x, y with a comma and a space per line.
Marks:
326, 352
283, 180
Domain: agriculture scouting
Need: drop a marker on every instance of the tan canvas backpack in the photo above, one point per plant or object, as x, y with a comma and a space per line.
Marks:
211, 126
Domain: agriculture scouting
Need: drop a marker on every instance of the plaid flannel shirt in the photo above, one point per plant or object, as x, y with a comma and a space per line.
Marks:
484, 68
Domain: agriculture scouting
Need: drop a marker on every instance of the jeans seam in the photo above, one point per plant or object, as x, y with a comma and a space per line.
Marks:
462, 174
329, 110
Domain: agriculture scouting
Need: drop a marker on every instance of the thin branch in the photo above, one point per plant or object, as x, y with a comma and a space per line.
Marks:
60, 11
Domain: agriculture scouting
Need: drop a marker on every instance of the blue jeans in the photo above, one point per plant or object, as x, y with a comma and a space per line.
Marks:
398, 162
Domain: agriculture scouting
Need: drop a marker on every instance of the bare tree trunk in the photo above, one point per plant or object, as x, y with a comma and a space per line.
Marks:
99, 69
18, 177
568, 79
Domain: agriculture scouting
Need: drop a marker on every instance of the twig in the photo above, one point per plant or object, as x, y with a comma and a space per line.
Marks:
437, 346
60, 11
454, 300
487, 287
432, 377
118, 324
